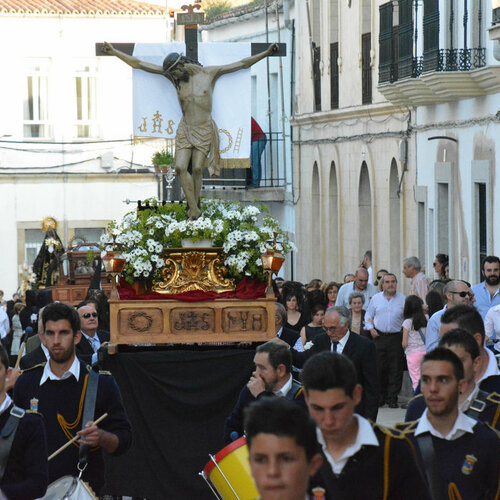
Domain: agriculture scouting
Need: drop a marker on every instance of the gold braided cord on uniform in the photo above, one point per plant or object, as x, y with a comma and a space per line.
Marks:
66, 428
387, 448
495, 418
453, 492
299, 392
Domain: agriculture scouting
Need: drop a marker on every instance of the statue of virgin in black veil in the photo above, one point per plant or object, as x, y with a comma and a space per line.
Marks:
46, 265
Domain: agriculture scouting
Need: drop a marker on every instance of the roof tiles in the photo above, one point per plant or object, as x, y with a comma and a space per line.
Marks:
80, 7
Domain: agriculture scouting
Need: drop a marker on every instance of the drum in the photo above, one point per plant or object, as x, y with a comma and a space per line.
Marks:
228, 473
69, 488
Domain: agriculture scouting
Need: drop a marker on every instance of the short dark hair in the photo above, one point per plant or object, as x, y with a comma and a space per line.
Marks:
281, 417
466, 317
4, 357
57, 311
460, 337
443, 354
490, 259
328, 370
279, 354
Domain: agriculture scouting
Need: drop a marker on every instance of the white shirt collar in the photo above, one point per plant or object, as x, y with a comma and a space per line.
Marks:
492, 368
470, 398
284, 390
365, 437
463, 424
341, 343
48, 374
6, 403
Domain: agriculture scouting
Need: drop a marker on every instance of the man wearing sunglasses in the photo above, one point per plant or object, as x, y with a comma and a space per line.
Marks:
92, 338
457, 293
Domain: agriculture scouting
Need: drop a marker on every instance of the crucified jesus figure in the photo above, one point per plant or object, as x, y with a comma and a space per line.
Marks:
197, 137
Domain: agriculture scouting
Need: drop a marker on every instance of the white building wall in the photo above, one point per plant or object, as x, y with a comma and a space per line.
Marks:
86, 195
251, 28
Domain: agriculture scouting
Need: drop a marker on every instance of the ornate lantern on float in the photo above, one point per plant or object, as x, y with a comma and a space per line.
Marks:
113, 264
272, 260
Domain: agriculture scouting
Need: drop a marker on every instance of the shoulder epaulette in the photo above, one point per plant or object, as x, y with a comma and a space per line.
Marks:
34, 412
41, 365
494, 397
407, 427
298, 393
104, 372
390, 431
416, 397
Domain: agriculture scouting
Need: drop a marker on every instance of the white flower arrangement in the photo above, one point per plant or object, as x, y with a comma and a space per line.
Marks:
241, 230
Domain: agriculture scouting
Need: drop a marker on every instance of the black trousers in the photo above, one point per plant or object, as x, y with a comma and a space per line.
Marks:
389, 366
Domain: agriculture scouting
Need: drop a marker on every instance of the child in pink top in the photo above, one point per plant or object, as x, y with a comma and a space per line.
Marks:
414, 326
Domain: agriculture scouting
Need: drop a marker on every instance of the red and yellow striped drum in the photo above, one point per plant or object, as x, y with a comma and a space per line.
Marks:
228, 472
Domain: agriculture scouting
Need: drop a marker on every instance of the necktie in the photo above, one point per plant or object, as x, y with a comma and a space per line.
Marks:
93, 343
335, 346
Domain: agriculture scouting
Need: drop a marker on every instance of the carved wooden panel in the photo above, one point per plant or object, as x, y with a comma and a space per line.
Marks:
239, 319
184, 320
146, 321
170, 321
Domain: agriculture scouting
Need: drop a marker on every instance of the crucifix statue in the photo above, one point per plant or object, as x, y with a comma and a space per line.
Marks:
197, 137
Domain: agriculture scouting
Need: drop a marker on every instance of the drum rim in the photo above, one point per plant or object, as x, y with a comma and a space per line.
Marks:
237, 443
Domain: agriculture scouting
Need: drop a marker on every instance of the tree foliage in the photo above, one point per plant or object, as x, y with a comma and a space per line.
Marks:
213, 8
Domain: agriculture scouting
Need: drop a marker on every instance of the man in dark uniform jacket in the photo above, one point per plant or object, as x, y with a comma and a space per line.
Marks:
473, 401
359, 350
92, 338
361, 460
26, 474
58, 388
460, 456
272, 377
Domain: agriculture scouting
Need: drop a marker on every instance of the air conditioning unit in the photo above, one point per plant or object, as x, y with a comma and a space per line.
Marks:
107, 160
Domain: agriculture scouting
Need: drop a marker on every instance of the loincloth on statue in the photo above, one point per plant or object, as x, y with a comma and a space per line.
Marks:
204, 138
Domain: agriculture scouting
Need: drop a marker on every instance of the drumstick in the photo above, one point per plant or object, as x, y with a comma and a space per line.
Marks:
64, 446
20, 355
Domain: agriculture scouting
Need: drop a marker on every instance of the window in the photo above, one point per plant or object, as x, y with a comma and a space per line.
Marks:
85, 103
35, 112
366, 68
33, 239
89, 234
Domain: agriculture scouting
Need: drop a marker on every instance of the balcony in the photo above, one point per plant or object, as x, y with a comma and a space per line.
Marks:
435, 75
233, 183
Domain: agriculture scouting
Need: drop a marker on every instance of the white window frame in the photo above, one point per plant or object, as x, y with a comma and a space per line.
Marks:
38, 71
86, 71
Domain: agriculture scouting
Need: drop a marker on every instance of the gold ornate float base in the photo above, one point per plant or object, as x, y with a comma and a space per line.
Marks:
189, 269
173, 321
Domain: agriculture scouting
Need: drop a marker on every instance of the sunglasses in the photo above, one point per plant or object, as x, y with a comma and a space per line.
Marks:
88, 315
464, 294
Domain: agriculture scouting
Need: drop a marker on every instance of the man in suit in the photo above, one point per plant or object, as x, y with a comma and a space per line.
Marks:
359, 350
271, 378
92, 338
35, 355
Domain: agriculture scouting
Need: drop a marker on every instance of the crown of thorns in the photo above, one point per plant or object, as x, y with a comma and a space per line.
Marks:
168, 67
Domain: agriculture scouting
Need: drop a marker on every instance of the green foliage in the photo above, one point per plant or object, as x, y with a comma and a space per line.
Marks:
162, 157
214, 8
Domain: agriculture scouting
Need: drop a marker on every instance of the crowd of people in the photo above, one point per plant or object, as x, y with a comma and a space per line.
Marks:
309, 410
349, 344
58, 396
